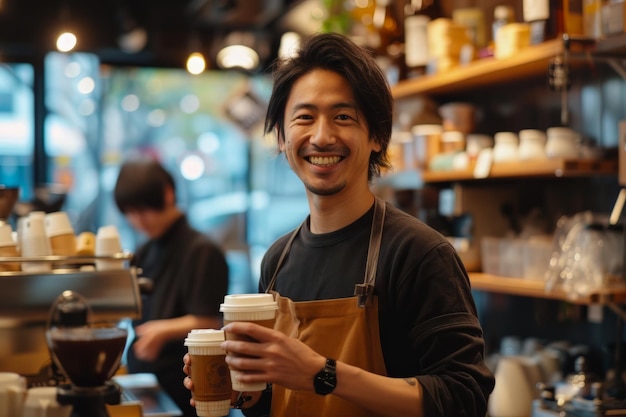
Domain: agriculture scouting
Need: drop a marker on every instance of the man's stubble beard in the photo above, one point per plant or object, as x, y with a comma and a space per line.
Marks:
325, 191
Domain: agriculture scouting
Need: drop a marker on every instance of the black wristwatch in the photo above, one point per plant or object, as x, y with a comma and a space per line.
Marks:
325, 380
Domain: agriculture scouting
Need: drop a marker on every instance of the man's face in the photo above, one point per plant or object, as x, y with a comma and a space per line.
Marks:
326, 139
152, 223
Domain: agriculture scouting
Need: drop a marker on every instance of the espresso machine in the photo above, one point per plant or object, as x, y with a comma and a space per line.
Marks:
32, 343
25, 302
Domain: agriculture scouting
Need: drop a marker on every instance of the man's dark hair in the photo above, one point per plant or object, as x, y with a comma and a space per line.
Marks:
334, 52
141, 184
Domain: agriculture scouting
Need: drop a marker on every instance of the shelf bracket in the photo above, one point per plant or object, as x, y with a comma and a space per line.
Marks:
559, 70
618, 66
565, 87
617, 310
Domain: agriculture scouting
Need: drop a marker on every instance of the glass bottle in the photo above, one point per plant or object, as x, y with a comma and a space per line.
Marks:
388, 40
537, 14
502, 14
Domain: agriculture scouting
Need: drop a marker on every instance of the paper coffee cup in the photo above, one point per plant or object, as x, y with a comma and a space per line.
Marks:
9, 251
35, 243
8, 248
63, 245
108, 243
60, 233
258, 308
58, 223
212, 388
12, 393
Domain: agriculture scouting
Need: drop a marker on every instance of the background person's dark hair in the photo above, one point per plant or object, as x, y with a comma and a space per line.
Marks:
334, 52
141, 185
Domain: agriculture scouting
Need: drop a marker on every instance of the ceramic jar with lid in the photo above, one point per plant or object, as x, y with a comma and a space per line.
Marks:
457, 116
475, 142
427, 139
561, 142
505, 148
401, 153
452, 141
532, 144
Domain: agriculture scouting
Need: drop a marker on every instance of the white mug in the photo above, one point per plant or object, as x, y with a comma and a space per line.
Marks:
513, 393
42, 402
12, 393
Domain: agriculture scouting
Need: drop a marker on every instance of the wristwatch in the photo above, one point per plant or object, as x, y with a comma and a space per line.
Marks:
325, 380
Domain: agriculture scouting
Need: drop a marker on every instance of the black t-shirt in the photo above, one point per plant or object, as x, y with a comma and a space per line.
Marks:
190, 276
427, 318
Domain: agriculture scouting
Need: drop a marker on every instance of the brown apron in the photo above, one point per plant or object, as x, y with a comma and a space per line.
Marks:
345, 329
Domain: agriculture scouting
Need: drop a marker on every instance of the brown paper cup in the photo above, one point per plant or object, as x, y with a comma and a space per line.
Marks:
210, 375
63, 245
9, 251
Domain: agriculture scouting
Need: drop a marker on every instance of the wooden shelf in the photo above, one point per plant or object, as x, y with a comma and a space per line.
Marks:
536, 289
549, 168
530, 62
614, 45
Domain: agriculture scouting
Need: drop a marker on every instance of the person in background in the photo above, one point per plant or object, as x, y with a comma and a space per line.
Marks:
376, 315
188, 270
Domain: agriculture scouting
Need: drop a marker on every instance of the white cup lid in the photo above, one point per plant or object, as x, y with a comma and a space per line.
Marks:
202, 336
248, 302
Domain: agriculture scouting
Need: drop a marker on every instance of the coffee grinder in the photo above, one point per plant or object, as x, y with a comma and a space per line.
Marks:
87, 354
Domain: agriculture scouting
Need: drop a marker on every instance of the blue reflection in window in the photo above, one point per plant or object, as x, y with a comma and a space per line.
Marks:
17, 127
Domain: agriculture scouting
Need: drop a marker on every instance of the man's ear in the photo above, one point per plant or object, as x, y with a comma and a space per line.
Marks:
169, 196
281, 141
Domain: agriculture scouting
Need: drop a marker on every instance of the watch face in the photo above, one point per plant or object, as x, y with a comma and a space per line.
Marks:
325, 382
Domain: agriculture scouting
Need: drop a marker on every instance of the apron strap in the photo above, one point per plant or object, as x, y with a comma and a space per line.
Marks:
365, 291
270, 287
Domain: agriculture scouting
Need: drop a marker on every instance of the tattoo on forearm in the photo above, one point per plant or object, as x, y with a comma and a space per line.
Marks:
411, 381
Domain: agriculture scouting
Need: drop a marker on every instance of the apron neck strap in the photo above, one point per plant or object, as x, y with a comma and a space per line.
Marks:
270, 286
365, 291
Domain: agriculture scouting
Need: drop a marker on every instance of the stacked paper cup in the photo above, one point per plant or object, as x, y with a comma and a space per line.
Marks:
35, 242
60, 233
8, 247
108, 243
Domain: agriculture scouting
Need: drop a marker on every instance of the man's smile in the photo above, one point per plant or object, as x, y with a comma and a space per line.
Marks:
324, 160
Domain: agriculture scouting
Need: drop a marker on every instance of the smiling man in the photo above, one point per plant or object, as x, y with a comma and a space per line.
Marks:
376, 316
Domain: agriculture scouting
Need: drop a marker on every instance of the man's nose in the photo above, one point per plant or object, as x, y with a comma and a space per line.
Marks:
324, 133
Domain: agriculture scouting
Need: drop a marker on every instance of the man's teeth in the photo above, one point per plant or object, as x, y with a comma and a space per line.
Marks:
324, 160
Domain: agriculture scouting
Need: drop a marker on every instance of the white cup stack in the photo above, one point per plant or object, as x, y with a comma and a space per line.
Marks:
12, 392
35, 243
42, 402
108, 243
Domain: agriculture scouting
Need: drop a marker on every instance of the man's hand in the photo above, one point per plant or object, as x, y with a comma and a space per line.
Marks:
275, 358
151, 337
